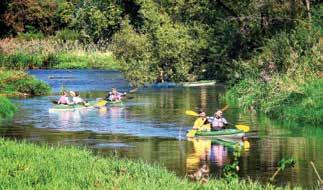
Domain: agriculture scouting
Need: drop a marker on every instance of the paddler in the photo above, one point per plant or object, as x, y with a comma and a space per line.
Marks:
64, 99
76, 98
114, 95
218, 122
202, 123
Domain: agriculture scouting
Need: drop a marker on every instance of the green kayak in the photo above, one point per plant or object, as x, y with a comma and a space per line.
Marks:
117, 103
231, 133
63, 107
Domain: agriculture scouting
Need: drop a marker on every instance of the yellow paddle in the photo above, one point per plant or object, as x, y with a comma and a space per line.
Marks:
191, 113
101, 103
243, 128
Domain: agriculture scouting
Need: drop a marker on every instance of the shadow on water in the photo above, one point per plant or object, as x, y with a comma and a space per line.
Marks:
152, 127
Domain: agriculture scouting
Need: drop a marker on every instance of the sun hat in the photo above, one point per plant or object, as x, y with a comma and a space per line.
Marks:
72, 93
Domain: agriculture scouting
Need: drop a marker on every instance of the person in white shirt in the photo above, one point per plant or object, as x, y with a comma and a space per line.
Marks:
218, 121
76, 98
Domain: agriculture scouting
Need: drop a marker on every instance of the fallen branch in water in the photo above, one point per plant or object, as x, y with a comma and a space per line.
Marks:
317, 174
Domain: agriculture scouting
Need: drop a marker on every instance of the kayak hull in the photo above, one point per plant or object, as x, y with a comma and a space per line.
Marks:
225, 133
117, 103
62, 108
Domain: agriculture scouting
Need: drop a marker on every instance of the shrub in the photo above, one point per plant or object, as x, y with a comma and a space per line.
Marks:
7, 109
18, 82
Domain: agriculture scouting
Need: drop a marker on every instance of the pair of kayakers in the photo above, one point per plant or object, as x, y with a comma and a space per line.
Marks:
205, 123
76, 99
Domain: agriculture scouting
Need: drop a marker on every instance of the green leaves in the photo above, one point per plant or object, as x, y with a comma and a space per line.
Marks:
286, 163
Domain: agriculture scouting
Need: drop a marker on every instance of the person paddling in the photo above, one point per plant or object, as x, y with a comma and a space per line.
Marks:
218, 122
64, 99
76, 98
202, 123
114, 95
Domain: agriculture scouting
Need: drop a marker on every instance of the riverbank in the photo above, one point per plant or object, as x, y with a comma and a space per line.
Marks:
18, 83
283, 80
31, 166
50, 53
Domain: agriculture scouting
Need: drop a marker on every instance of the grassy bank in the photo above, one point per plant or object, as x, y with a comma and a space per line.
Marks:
283, 79
27, 166
19, 83
7, 109
50, 53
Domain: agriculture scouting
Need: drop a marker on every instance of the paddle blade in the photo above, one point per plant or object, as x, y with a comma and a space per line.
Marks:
101, 103
192, 113
243, 128
246, 145
191, 133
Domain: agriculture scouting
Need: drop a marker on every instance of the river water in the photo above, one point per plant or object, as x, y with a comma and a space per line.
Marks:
151, 126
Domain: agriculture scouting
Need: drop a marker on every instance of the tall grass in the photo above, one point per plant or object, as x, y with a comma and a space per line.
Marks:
20, 83
53, 53
283, 80
27, 166
7, 109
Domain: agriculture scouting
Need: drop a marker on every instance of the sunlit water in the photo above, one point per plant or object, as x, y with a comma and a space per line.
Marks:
151, 126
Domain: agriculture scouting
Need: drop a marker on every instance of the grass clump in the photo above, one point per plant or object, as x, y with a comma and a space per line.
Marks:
28, 166
18, 83
7, 108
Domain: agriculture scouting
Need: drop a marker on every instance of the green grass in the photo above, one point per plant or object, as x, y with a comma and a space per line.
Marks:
7, 109
69, 60
48, 53
28, 166
282, 80
18, 83
82, 60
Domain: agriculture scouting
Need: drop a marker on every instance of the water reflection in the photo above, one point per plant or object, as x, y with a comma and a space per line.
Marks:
212, 151
152, 125
65, 120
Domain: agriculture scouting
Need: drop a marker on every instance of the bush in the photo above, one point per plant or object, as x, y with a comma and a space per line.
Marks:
7, 109
167, 55
134, 53
32, 87
19, 82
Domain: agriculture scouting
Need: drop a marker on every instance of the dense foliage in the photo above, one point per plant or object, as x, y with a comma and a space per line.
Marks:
282, 80
183, 40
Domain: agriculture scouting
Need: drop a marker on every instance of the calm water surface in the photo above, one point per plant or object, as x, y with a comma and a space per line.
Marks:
151, 126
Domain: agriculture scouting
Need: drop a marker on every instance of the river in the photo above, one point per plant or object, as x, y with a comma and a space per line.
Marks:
151, 126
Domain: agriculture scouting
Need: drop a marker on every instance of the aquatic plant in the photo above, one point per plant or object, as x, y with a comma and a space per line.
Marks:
230, 171
282, 165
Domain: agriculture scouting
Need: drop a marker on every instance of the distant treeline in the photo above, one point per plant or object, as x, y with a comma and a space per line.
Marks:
164, 40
